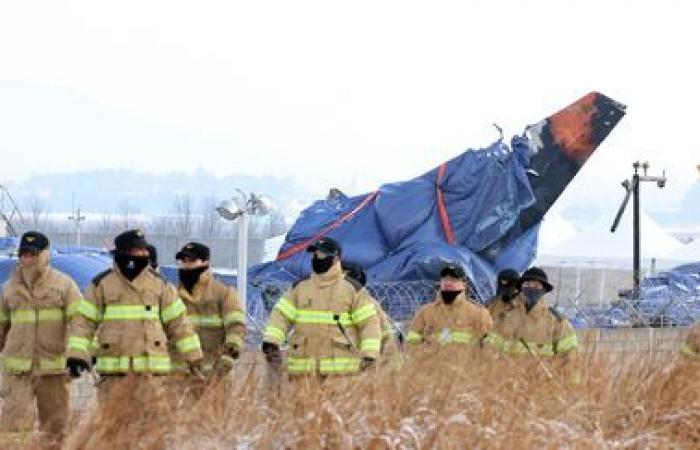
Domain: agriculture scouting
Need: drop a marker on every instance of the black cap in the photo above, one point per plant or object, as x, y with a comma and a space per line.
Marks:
355, 271
193, 250
536, 274
152, 256
130, 239
33, 241
508, 275
326, 245
454, 271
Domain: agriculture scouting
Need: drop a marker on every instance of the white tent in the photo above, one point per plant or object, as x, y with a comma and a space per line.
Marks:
595, 242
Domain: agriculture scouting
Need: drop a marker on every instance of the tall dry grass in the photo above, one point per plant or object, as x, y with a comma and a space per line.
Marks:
445, 400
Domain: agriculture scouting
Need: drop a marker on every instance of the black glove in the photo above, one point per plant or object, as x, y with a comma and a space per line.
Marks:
366, 363
272, 352
233, 352
76, 367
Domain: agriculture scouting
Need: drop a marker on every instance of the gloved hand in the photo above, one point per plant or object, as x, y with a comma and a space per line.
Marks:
76, 367
272, 353
195, 368
366, 364
224, 364
233, 352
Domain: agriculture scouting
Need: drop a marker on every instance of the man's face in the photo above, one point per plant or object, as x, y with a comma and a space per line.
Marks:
323, 255
28, 258
532, 284
452, 284
138, 252
189, 263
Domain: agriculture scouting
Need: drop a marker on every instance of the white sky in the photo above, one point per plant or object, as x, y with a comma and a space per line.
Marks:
344, 93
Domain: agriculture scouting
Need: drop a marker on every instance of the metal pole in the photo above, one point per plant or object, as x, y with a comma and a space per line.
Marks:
636, 252
242, 271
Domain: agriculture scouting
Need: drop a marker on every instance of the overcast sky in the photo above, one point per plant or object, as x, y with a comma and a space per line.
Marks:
340, 93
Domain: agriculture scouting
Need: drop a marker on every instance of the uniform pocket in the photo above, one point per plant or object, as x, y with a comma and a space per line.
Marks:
109, 340
297, 345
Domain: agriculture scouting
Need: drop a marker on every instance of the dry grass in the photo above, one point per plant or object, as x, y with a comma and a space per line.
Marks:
451, 399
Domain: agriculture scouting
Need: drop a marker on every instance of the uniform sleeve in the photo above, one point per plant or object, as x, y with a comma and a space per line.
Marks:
366, 318
486, 323
566, 350
417, 328
4, 319
282, 318
85, 317
72, 299
691, 347
177, 326
234, 319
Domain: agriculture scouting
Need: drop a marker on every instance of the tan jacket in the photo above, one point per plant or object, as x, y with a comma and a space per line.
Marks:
33, 321
497, 307
691, 346
316, 309
215, 312
461, 322
541, 332
134, 321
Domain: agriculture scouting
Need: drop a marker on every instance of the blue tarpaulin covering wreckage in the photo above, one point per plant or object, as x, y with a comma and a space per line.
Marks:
481, 210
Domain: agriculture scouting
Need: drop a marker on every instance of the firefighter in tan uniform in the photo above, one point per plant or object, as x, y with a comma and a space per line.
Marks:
531, 327
452, 318
691, 347
136, 314
336, 327
391, 336
506, 292
35, 304
213, 309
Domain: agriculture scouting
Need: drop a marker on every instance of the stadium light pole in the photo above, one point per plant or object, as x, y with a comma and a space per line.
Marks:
238, 208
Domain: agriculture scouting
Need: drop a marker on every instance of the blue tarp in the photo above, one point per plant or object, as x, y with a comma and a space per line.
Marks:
400, 234
82, 267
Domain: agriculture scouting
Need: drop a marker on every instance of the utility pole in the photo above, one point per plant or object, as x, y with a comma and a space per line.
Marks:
77, 218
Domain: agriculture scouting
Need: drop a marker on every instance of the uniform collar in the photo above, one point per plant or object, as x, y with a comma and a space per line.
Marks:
198, 289
462, 297
334, 274
136, 283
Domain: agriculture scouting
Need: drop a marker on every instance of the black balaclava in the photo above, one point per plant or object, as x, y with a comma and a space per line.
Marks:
532, 296
322, 265
189, 277
449, 296
507, 284
130, 266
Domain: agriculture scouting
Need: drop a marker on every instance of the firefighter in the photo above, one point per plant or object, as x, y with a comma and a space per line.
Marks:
35, 304
136, 315
212, 307
153, 257
453, 317
336, 326
506, 292
391, 335
691, 347
531, 327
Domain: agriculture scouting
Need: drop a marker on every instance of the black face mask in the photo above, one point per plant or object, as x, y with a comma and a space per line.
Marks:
189, 277
449, 296
322, 265
130, 266
532, 296
507, 292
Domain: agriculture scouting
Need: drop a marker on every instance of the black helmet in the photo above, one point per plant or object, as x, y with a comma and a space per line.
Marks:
510, 276
537, 274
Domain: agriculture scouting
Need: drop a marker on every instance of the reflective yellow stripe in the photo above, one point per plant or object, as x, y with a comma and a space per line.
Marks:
323, 318
687, 351
495, 340
121, 364
233, 338
131, 312
17, 437
94, 344
462, 337
301, 365
287, 309
234, 317
567, 344
73, 308
274, 334
81, 344
173, 311
41, 315
188, 344
518, 347
88, 309
413, 337
370, 345
58, 363
339, 365
360, 315
13, 364
212, 320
